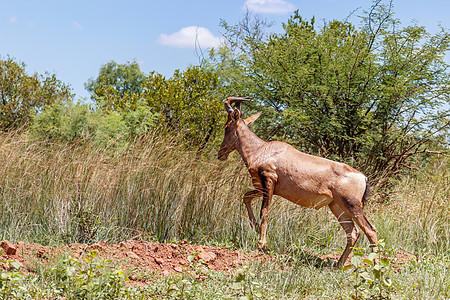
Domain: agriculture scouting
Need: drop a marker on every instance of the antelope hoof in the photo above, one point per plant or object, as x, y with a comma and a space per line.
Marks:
338, 265
263, 248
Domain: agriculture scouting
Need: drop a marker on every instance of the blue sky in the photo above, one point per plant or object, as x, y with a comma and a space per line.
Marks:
74, 38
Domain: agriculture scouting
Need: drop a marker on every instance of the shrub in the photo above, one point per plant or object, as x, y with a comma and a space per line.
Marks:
81, 122
23, 94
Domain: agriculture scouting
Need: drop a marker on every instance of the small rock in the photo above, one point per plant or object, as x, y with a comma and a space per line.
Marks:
131, 254
77, 253
132, 277
207, 256
41, 252
178, 269
123, 245
8, 247
97, 246
159, 261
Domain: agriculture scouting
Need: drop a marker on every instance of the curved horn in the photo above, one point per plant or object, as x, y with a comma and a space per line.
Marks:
237, 100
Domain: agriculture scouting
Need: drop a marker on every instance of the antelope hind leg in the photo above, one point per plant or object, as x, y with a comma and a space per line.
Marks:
354, 210
351, 231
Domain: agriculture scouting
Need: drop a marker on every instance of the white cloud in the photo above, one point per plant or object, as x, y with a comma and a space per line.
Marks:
13, 20
189, 37
269, 6
77, 25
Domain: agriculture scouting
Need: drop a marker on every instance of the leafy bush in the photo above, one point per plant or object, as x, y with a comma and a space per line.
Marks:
372, 274
189, 102
80, 122
88, 279
23, 94
64, 122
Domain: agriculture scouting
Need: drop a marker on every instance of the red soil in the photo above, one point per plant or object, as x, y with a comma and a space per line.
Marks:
164, 259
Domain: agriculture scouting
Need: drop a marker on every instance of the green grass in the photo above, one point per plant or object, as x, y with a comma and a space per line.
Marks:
157, 189
281, 278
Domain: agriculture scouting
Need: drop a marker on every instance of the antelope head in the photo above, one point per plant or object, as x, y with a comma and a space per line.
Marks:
231, 139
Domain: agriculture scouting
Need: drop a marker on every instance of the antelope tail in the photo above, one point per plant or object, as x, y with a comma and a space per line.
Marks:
366, 193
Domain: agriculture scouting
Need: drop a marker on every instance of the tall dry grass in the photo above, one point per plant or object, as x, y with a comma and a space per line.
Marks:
83, 192
155, 188
417, 217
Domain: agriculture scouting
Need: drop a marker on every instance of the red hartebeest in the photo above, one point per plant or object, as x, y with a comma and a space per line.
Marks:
277, 168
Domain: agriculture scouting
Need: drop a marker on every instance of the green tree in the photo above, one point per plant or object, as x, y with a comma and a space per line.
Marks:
375, 94
117, 86
22, 95
189, 101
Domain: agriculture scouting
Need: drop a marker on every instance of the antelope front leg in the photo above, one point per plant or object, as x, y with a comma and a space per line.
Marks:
268, 187
248, 198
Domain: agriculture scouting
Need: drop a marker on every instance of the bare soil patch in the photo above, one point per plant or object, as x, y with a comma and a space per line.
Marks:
163, 259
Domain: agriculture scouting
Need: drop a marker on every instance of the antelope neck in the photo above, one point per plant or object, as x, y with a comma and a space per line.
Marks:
248, 143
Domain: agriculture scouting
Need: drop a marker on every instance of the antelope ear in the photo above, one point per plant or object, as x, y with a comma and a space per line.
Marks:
252, 119
236, 114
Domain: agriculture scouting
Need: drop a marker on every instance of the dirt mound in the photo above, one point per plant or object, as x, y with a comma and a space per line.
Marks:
164, 259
